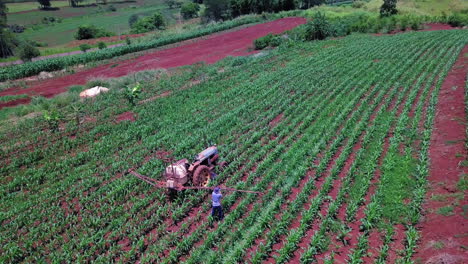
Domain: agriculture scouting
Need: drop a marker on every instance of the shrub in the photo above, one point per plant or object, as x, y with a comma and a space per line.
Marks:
276, 41
189, 10
15, 28
26, 52
90, 32
457, 20
263, 42
85, 47
358, 4
132, 20
102, 45
319, 28
415, 24
173, 4
150, 23
111, 8
403, 24
128, 41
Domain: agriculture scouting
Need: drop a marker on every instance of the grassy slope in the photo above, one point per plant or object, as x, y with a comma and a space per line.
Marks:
61, 33
423, 7
26, 6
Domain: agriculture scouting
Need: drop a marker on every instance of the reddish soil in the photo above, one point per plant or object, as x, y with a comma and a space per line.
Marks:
209, 50
444, 238
127, 116
76, 43
276, 120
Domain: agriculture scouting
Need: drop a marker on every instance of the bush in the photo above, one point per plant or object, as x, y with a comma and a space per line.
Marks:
102, 45
319, 28
111, 8
148, 24
26, 52
189, 10
263, 42
15, 28
90, 32
358, 4
132, 20
128, 41
457, 20
38, 43
275, 41
50, 20
173, 4
85, 47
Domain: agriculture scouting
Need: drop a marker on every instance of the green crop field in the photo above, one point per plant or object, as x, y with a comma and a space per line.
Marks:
335, 134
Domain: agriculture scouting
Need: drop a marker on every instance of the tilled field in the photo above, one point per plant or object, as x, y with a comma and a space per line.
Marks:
209, 50
335, 133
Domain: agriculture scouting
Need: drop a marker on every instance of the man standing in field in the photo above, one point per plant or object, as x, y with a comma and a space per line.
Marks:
217, 211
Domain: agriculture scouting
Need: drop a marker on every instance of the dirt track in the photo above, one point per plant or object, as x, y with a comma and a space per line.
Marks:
209, 50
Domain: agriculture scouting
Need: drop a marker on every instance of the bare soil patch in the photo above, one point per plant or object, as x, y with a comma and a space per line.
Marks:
445, 171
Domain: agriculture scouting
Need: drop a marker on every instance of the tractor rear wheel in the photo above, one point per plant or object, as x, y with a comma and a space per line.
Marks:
201, 176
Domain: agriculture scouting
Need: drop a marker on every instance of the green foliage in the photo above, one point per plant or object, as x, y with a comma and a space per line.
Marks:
173, 3
189, 10
462, 184
128, 41
446, 210
388, 8
44, 3
263, 42
458, 20
26, 51
132, 19
90, 32
52, 117
319, 28
132, 93
85, 47
147, 24
102, 45
217, 10
8, 98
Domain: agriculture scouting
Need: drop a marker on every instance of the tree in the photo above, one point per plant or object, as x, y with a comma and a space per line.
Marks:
132, 20
148, 24
90, 32
44, 3
7, 40
26, 52
217, 9
388, 8
85, 47
189, 10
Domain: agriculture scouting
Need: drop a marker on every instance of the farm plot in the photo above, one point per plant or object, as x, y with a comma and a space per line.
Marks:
335, 134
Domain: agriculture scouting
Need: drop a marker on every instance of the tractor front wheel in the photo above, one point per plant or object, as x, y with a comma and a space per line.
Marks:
201, 176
